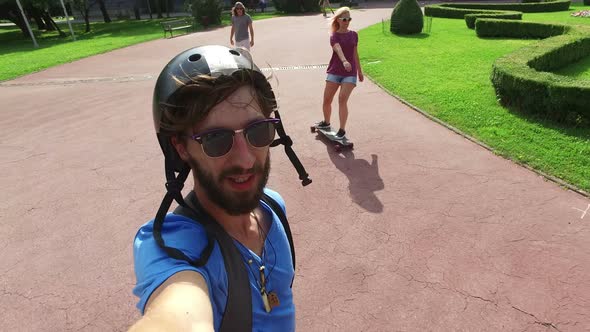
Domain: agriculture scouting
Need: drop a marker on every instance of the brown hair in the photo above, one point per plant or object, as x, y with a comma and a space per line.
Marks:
192, 102
238, 5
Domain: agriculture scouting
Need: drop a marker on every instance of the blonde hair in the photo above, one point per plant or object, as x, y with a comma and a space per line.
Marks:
334, 24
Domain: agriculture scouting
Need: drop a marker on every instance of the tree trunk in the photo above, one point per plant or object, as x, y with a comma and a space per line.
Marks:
159, 8
167, 8
149, 8
36, 15
87, 19
51, 23
136, 11
84, 9
103, 9
17, 19
47, 19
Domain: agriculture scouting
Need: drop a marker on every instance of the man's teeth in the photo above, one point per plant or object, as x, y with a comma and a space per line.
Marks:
241, 179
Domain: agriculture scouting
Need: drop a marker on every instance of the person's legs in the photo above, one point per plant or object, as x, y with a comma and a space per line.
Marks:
327, 2
329, 92
243, 44
345, 92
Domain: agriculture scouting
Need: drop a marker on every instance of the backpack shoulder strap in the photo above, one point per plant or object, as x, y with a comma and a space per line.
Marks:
274, 205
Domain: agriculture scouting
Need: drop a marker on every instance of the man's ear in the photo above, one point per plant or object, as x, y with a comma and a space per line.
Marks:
180, 147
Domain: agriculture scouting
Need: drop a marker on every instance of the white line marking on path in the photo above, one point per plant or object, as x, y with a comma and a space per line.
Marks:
583, 211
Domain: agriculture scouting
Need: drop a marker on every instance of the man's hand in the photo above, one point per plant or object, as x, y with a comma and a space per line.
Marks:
231, 41
252, 43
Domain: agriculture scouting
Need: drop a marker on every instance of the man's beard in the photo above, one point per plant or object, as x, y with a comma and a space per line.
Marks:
234, 203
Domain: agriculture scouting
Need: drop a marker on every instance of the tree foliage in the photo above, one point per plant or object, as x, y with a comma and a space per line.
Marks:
211, 9
297, 6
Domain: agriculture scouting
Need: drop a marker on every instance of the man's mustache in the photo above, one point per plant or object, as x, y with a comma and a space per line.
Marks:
257, 168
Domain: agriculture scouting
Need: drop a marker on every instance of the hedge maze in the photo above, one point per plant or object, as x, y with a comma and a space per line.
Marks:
522, 79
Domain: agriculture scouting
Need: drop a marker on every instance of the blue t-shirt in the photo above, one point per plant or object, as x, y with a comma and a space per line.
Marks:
153, 267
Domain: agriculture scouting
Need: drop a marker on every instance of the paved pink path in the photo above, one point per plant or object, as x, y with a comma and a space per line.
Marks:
416, 229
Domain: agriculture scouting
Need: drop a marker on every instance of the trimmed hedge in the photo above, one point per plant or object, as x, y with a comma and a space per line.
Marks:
518, 29
506, 15
458, 10
521, 79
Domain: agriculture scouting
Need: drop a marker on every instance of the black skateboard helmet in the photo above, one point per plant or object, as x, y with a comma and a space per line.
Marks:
212, 60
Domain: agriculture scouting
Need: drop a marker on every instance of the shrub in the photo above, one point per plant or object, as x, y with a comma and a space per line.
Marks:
407, 18
458, 10
517, 29
206, 8
506, 15
348, 3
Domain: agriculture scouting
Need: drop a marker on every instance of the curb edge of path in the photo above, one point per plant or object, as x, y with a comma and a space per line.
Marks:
554, 179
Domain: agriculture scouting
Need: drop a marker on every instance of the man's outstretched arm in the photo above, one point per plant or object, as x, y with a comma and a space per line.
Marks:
180, 304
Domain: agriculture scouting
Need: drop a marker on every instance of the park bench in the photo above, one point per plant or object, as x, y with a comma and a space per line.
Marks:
170, 26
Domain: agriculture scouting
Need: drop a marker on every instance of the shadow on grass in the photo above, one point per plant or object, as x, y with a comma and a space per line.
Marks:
421, 35
579, 130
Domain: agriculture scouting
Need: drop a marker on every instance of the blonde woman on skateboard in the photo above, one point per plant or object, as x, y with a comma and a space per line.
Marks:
343, 69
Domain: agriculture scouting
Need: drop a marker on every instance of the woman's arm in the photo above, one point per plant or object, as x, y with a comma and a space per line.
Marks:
341, 56
251, 34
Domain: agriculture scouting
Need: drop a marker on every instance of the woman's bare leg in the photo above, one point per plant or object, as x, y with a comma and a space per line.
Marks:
345, 92
329, 92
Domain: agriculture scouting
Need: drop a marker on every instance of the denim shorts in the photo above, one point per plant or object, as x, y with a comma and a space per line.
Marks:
341, 79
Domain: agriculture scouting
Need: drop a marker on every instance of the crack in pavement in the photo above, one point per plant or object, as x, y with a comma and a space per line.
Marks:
537, 321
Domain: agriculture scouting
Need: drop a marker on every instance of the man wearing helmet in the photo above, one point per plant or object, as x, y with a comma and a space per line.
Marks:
223, 260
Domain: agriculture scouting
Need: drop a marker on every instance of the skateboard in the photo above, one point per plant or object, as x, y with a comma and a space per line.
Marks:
339, 143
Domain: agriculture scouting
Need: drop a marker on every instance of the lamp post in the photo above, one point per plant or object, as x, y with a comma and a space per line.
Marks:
68, 19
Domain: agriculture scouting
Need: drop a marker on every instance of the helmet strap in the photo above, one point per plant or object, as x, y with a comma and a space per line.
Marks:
285, 140
174, 187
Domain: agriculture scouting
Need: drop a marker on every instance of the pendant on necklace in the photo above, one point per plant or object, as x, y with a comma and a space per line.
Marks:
273, 300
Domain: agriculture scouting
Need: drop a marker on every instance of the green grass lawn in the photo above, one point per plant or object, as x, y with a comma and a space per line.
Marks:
18, 56
447, 74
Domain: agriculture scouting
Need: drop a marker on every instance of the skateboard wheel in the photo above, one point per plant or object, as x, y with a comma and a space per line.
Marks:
337, 148
312, 128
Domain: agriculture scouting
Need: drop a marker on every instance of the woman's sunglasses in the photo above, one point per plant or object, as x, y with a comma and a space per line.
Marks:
218, 142
345, 19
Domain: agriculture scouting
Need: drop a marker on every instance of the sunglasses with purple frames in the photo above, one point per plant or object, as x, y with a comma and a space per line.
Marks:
218, 142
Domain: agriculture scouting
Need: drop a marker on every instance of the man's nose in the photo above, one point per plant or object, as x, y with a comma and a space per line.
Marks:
242, 152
